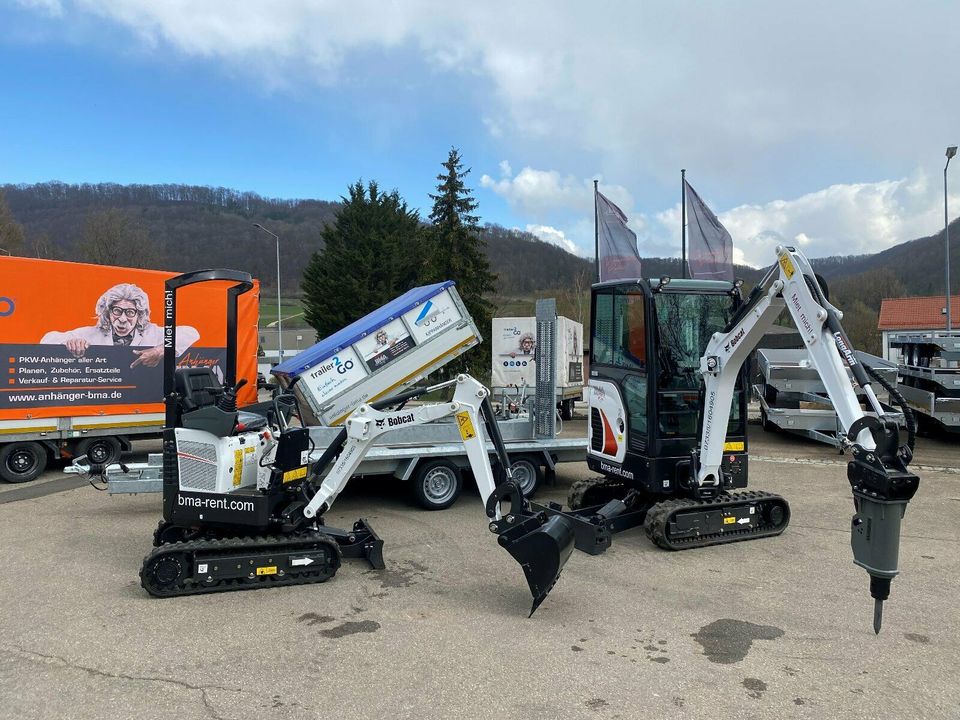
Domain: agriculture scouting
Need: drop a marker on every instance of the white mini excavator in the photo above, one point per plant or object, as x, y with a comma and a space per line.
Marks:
668, 405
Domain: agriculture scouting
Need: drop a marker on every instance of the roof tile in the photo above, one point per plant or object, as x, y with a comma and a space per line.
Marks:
918, 313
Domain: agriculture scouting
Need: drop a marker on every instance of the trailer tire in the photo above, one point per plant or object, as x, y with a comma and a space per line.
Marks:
22, 462
528, 474
99, 450
566, 409
437, 484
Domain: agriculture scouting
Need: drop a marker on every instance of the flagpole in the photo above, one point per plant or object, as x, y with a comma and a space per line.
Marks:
683, 224
596, 231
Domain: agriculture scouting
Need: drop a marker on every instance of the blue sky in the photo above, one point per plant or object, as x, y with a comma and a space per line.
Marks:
822, 125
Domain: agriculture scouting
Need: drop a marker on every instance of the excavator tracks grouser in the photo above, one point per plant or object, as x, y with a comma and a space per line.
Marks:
686, 523
245, 563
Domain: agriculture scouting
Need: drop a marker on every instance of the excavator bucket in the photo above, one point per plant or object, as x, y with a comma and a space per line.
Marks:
541, 551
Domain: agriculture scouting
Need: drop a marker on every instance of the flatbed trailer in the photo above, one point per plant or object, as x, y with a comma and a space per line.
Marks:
432, 461
930, 372
793, 399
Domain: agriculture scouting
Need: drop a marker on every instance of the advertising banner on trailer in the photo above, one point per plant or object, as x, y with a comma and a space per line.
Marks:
89, 338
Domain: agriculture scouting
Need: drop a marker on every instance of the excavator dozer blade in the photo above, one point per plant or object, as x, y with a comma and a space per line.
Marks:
542, 553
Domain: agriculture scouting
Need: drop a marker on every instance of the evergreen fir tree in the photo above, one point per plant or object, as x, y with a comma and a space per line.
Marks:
369, 258
455, 251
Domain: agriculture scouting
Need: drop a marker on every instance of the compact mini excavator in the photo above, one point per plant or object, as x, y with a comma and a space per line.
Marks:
667, 426
243, 502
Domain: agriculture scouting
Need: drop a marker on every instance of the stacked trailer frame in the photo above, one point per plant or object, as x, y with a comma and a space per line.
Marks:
793, 398
930, 376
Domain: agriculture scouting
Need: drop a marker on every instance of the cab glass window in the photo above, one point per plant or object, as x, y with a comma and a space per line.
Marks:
630, 338
601, 344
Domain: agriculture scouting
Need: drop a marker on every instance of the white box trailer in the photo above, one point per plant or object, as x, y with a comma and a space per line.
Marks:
381, 353
514, 354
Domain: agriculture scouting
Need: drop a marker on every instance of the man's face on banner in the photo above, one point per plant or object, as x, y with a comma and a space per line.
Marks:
123, 317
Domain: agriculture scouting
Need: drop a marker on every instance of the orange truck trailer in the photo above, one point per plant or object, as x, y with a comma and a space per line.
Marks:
81, 357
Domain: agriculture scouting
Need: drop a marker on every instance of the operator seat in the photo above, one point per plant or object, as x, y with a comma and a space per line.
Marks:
198, 387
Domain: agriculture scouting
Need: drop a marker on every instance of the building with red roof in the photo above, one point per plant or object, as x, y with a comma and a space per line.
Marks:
915, 314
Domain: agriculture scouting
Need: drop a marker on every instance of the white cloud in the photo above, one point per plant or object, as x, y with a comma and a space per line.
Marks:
726, 90
763, 103
847, 219
540, 193
554, 237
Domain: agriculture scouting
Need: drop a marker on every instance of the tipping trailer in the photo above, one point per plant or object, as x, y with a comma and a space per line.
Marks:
430, 456
80, 357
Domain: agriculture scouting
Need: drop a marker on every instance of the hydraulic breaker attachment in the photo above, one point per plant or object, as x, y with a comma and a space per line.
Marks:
882, 486
542, 545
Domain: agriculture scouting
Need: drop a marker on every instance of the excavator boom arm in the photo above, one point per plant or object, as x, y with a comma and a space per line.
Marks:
368, 423
540, 544
878, 476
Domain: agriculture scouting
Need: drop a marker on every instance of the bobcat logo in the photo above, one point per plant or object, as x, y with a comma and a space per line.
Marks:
380, 423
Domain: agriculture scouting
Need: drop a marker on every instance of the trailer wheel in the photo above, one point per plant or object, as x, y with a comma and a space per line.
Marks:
437, 484
99, 450
527, 474
566, 409
22, 461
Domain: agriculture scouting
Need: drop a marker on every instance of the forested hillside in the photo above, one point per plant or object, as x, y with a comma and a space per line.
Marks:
184, 227
917, 264
179, 227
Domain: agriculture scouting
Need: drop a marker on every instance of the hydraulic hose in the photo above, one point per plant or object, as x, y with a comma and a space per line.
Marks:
895, 395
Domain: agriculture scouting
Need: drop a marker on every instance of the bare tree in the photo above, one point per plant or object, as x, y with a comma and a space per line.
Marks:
573, 300
110, 237
41, 247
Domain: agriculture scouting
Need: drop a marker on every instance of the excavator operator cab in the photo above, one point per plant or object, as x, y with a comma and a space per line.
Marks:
646, 340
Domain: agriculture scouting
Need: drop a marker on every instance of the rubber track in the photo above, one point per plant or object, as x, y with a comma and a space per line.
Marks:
241, 546
655, 524
579, 489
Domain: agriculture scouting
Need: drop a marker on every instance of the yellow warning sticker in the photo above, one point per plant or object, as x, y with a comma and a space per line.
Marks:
267, 570
733, 446
237, 467
787, 264
729, 520
290, 475
467, 431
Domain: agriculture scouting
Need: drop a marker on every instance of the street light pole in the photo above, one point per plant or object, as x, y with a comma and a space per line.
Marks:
279, 319
951, 151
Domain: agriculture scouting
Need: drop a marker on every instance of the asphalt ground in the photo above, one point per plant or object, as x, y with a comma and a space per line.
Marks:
777, 627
